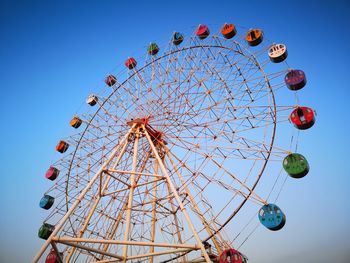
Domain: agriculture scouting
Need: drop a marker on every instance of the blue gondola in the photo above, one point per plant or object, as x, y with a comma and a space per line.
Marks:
177, 38
272, 217
46, 202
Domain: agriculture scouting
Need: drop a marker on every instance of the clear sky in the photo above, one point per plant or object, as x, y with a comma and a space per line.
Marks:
54, 53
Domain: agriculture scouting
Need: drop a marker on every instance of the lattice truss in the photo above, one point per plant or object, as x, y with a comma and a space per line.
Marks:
124, 194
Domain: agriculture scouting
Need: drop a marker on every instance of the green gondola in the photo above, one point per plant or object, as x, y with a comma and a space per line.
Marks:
296, 165
45, 231
153, 49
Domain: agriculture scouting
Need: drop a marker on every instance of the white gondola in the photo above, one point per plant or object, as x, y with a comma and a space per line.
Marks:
278, 53
92, 100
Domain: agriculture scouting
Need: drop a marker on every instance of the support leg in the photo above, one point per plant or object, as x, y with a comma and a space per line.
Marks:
76, 203
177, 197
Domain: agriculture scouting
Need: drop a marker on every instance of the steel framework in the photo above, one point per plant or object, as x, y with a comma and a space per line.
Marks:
169, 157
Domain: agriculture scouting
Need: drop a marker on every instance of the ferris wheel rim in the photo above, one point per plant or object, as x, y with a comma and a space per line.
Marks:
178, 50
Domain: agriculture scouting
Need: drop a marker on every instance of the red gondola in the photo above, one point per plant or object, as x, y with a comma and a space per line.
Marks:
202, 31
52, 257
231, 255
110, 80
302, 118
130, 63
52, 173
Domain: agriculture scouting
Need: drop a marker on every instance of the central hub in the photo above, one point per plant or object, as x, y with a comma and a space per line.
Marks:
138, 121
156, 136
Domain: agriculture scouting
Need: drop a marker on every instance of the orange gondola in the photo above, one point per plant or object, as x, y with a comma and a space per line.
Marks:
75, 122
62, 146
228, 31
254, 37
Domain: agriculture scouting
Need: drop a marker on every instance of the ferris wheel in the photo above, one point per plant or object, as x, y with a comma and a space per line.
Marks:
171, 149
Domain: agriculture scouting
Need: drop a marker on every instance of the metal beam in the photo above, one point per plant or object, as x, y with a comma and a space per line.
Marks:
122, 242
172, 251
90, 249
131, 194
132, 172
77, 202
177, 197
96, 202
194, 204
120, 215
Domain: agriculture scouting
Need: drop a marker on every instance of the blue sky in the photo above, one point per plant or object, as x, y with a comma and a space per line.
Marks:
54, 53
